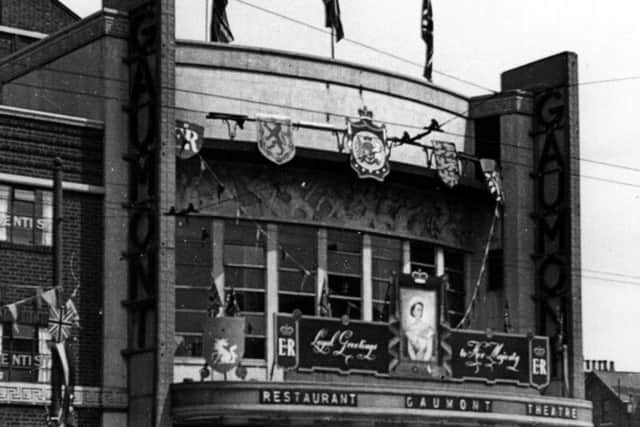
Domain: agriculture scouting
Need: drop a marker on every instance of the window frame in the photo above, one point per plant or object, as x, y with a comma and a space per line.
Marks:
42, 203
272, 268
40, 374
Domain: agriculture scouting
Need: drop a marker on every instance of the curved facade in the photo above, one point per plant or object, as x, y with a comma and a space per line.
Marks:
279, 236
366, 278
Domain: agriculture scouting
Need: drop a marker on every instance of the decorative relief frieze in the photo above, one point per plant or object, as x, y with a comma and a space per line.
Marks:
13, 393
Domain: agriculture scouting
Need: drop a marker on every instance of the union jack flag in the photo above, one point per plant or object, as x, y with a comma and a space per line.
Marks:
61, 320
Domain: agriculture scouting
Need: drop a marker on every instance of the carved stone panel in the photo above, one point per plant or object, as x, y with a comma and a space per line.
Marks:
323, 197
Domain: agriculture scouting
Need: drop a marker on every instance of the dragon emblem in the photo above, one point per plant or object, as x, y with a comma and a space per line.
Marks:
223, 352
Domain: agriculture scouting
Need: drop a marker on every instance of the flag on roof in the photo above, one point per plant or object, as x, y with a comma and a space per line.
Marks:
220, 29
426, 25
332, 18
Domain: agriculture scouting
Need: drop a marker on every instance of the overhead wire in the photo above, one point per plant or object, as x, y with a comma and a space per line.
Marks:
392, 123
366, 46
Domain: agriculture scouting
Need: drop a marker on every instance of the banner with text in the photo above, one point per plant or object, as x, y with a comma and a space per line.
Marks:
500, 358
320, 343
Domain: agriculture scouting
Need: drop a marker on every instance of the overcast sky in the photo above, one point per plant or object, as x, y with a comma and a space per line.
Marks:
476, 40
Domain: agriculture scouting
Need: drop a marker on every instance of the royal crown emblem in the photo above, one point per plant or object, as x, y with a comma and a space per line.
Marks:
370, 149
286, 330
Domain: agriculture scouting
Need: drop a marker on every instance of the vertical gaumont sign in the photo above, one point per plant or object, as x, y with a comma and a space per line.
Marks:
308, 343
504, 358
319, 343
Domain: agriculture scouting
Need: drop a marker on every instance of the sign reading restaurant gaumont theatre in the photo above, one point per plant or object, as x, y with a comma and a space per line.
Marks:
308, 343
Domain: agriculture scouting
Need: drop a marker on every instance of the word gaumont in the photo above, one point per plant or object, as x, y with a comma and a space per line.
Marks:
450, 403
308, 397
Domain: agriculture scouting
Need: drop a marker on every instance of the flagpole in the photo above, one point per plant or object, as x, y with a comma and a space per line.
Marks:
57, 275
207, 25
333, 43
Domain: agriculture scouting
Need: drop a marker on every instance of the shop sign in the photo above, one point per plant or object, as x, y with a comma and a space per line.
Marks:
447, 403
308, 397
319, 343
552, 411
496, 357
25, 222
22, 360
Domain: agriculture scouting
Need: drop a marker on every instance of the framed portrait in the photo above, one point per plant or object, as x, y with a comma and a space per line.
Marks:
418, 326
419, 322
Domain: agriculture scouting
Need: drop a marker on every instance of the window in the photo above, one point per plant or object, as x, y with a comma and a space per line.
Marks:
24, 353
495, 265
26, 216
386, 263
423, 257
487, 131
245, 274
454, 268
299, 252
344, 269
352, 260
193, 280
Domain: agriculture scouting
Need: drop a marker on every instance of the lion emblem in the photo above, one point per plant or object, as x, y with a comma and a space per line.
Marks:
367, 151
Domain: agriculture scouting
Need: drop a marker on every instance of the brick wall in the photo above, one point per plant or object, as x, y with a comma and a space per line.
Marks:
27, 148
44, 16
22, 416
607, 408
35, 416
28, 267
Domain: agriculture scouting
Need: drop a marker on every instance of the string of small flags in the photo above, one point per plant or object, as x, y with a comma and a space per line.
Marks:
260, 231
50, 297
367, 142
485, 255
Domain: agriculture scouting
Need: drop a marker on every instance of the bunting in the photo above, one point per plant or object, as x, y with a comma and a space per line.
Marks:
50, 298
445, 161
232, 307
220, 29
215, 303
325, 304
63, 364
13, 311
493, 178
61, 320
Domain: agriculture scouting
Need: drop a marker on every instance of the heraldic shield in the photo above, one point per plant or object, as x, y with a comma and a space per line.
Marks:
445, 160
275, 139
370, 150
223, 342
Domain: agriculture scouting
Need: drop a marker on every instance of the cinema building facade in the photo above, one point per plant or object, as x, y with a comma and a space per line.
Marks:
294, 240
